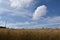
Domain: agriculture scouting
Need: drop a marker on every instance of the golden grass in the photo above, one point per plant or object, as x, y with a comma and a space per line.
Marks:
29, 34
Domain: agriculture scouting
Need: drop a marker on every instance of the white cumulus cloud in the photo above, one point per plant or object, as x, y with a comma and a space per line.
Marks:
20, 3
39, 12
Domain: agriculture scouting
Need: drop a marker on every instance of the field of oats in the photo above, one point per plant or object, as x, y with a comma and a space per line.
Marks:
29, 34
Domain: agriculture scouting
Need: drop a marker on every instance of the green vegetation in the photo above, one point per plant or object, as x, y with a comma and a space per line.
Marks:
29, 34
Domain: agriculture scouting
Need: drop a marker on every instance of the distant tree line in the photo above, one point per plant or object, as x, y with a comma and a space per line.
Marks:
2, 27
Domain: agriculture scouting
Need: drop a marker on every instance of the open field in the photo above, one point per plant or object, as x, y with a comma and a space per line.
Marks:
29, 34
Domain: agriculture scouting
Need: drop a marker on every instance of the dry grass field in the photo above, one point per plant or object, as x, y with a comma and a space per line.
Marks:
29, 34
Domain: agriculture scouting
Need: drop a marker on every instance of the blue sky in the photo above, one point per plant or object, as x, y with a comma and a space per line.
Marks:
30, 13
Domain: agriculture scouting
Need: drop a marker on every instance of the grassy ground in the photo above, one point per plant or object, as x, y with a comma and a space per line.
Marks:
29, 34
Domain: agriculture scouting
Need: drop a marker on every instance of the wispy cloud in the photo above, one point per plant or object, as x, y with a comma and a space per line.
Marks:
17, 24
53, 22
16, 7
52, 19
20, 3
